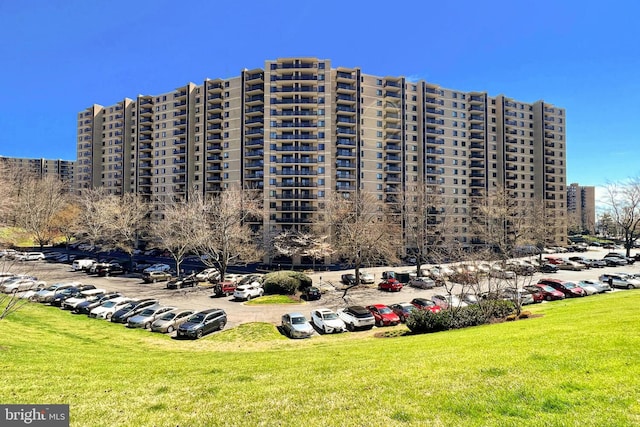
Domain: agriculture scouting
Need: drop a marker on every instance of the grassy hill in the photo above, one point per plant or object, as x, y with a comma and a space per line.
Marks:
576, 365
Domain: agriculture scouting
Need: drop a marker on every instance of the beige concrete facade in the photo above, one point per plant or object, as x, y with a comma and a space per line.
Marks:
581, 207
61, 169
299, 129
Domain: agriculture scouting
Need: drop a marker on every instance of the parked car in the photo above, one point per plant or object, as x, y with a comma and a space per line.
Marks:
157, 267
73, 301
356, 317
170, 321
569, 289
29, 256
47, 294
74, 291
548, 293
19, 283
614, 261
383, 315
296, 325
311, 293
516, 296
589, 289
469, 298
390, 285
225, 288
131, 309
348, 279
422, 283
95, 301
146, 317
448, 301
180, 282
426, 304
83, 264
208, 275
570, 265
402, 310
536, 293
203, 322
327, 321
600, 287
247, 292
156, 276
630, 260
520, 267
500, 273
367, 278
106, 309
111, 269
547, 268
621, 281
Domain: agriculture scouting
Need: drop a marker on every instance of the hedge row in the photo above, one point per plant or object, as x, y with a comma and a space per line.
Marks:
285, 282
425, 321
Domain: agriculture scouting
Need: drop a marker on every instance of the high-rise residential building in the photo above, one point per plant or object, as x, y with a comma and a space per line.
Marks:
61, 169
299, 129
581, 208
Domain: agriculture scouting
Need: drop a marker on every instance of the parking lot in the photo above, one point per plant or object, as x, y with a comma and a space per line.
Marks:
200, 297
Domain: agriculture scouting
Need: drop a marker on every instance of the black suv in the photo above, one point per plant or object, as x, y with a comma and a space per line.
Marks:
182, 282
311, 293
110, 269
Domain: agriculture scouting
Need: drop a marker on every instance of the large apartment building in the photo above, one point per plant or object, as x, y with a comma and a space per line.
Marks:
581, 208
299, 129
61, 169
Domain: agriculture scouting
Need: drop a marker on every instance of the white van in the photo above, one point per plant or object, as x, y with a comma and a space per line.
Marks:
82, 264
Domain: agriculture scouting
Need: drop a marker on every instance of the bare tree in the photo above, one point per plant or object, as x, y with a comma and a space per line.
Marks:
427, 223
94, 214
225, 237
127, 220
175, 231
361, 231
40, 200
623, 205
66, 221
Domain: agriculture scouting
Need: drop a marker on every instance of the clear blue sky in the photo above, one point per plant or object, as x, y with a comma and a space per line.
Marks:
58, 57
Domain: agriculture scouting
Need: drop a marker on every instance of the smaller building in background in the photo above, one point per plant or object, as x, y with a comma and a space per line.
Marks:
61, 169
581, 208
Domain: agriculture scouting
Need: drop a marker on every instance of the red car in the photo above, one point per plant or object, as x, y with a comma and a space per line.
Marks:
390, 285
549, 293
569, 289
383, 315
403, 310
426, 304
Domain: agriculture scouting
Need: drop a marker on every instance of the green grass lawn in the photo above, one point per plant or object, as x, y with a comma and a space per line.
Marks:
576, 365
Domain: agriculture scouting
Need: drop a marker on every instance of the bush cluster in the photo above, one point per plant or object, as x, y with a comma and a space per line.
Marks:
425, 321
285, 282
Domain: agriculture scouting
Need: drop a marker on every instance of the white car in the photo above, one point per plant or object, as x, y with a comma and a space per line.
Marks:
157, 267
106, 310
327, 321
357, 317
208, 274
72, 303
29, 256
82, 264
246, 292
367, 278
